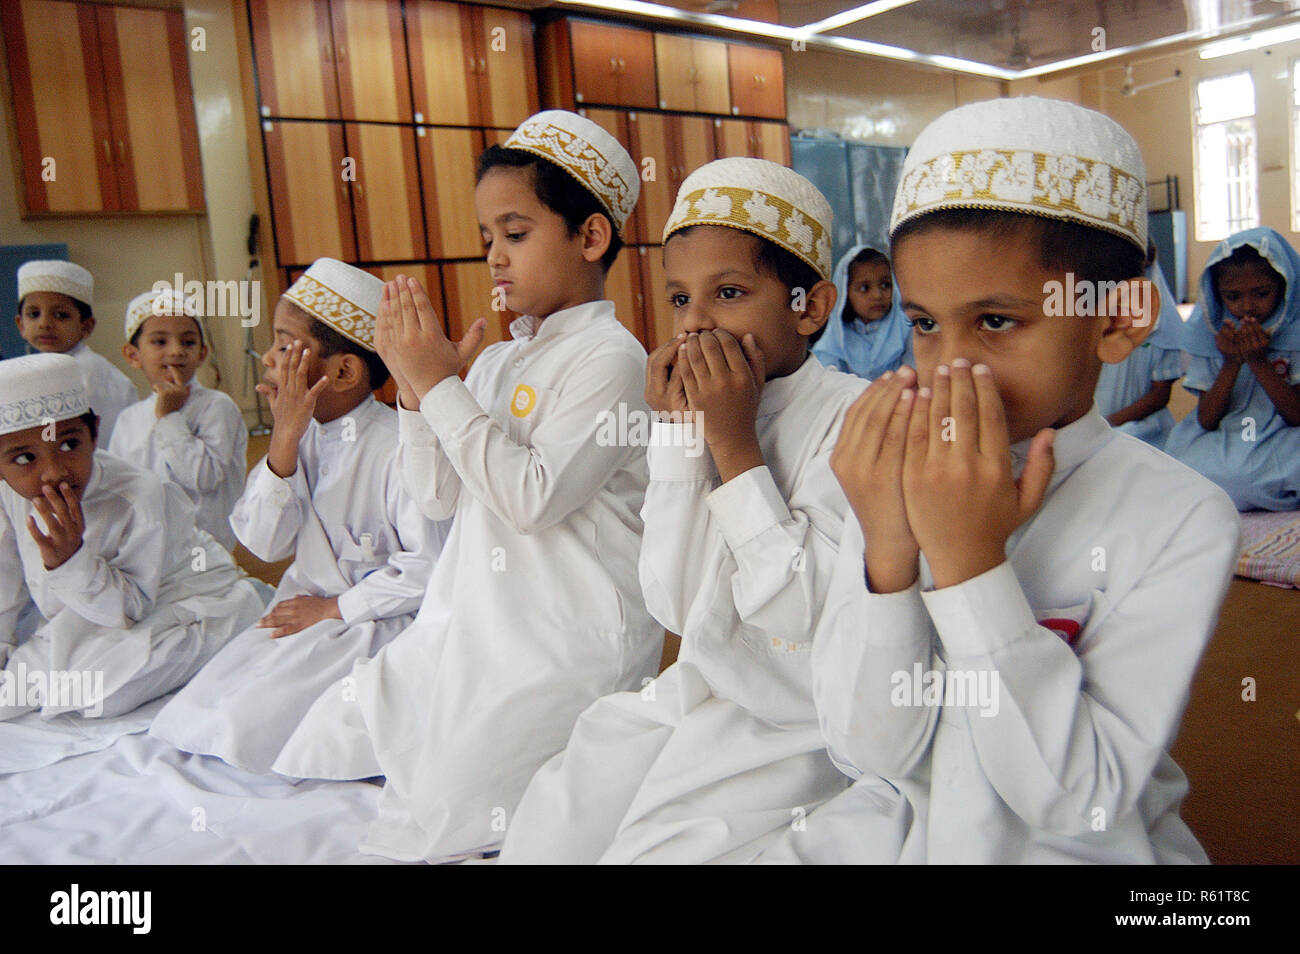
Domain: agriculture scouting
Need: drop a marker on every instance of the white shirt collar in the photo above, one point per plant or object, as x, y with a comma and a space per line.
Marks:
778, 392
566, 319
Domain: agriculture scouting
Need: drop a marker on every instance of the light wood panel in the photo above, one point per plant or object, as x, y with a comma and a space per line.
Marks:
773, 142
468, 289
757, 81
650, 140
370, 56
612, 65
508, 81
658, 312
443, 61
447, 158
623, 288
386, 193
310, 200
692, 74
294, 49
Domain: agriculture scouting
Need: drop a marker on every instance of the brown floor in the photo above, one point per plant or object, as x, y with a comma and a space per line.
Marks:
1242, 759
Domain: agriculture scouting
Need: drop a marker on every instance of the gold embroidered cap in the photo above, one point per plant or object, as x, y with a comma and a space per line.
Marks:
53, 275
161, 301
39, 388
1028, 154
588, 153
342, 296
758, 196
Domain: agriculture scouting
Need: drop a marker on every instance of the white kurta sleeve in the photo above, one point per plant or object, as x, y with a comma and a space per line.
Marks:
536, 485
267, 518
676, 518
13, 585
202, 461
427, 474
784, 557
397, 588
864, 640
120, 592
1077, 733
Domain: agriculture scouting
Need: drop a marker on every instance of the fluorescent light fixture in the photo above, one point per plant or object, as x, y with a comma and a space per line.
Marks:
855, 15
1253, 41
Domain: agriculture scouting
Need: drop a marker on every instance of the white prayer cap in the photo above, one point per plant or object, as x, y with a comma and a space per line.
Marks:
38, 388
153, 303
342, 296
588, 153
758, 196
1042, 157
52, 275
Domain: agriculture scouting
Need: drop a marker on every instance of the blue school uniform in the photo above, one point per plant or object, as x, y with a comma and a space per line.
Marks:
1159, 358
866, 349
1253, 454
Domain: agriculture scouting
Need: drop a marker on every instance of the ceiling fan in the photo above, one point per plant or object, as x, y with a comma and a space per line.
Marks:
1129, 88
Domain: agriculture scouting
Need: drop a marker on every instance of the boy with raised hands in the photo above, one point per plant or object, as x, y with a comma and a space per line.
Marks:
1024, 593
326, 493
534, 610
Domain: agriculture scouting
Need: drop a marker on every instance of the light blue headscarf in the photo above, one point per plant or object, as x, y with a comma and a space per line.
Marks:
1168, 332
867, 350
1283, 325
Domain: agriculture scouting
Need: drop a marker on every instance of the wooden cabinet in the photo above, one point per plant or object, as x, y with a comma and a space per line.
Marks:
468, 289
386, 192
96, 90
692, 74
678, 145
761, 140
757, 81
310, 202
596, 63
470, 66
341, 59
447, 158
658, 311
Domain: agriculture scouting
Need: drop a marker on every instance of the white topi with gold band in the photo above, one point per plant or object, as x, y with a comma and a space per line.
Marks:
1032, 155
585, 151
758, 196
39, 388
151, 304
53, 275
342, 296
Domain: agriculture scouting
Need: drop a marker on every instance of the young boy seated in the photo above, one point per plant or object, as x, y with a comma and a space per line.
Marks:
55, 317
722, 752
132, 598
1003, 663
534, 610
327, 494
1244, 342
186, 433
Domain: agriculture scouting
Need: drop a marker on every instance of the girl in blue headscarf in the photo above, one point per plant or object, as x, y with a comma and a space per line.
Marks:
870, 334
1244, 342
1134, 394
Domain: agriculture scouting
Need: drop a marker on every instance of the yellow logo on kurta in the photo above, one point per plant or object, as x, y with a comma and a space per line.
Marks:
523, 402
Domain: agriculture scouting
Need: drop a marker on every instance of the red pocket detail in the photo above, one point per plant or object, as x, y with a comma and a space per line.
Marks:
1067, 629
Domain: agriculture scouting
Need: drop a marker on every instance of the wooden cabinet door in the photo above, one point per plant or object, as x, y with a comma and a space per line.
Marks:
594, 62
712, 82
734, 138
694, 146
649, 133
294, 50
443, 75
757, 81
151, 105
370, 55
310, 202
447, 159
634, 71
658, 311
63, 117
468, 288
773, 141
623, 288
386, 193
508, 76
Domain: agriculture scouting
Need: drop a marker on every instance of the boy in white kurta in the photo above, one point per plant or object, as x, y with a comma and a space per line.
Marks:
186, 433
722, 752
327, 493
1004, 679
129, 593
55, 316
533, 611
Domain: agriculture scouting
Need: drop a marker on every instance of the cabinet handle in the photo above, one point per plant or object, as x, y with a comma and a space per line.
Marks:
341, 52
108, 152
121, 152
482, 65
622, 66
358, 189
327, 52
613, 65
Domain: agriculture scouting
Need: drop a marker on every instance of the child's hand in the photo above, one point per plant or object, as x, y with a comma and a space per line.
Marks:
962, 502
868, 463
61, 512
424, 354
293, 403
664, 391
723, 381
1252, 340
1225, 339
386, 328
296, 614
172, 394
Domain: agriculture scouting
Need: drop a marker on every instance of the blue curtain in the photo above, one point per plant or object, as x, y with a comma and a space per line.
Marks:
859, 180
